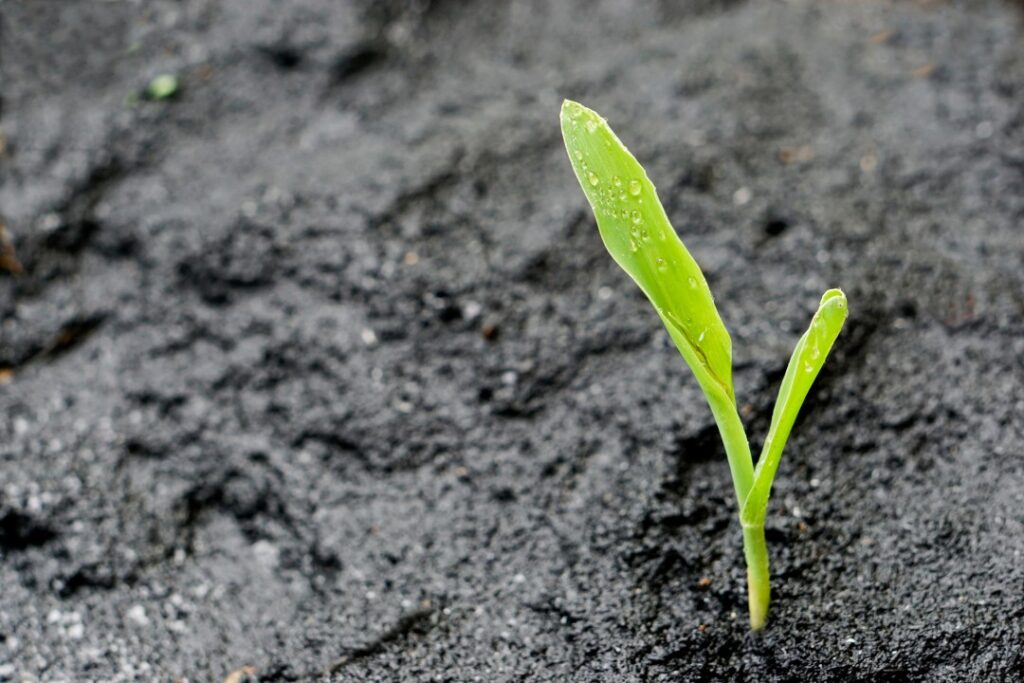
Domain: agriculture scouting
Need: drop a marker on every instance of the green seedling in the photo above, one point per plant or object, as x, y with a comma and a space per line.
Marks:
637, 233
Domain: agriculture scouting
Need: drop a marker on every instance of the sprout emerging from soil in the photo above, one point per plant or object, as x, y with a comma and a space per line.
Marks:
637, 233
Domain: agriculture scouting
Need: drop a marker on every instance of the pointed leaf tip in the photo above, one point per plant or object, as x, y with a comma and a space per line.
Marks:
804, 365
637, 233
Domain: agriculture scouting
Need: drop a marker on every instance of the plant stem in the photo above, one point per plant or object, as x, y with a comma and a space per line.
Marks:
737, 450
758, 586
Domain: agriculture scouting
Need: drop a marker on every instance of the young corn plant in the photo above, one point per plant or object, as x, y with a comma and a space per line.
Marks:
637, 233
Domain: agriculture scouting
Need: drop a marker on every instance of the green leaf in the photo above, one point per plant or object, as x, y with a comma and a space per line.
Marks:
638, 235
805, 363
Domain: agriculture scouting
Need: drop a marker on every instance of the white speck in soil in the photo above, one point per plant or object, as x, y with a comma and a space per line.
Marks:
49, 222
137, 615
266, 553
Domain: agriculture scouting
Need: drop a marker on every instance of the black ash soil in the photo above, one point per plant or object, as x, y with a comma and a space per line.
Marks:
319, 367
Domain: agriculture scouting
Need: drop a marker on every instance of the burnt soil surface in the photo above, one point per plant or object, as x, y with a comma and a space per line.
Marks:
319, 366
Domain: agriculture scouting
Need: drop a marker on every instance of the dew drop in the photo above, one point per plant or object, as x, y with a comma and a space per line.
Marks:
632, 245
616, 181
579, 155
575, 110
701, 337
645, 236
634, 188
808, 367
592, 177
636, 217
591, 125
660, 262
815, 353
692, 282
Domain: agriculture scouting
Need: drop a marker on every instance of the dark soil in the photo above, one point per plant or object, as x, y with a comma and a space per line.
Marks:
319, 366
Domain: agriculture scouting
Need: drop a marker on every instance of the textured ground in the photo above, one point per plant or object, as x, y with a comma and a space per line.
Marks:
320, 367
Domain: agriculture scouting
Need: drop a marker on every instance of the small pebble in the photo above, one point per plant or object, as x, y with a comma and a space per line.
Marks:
137, 615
